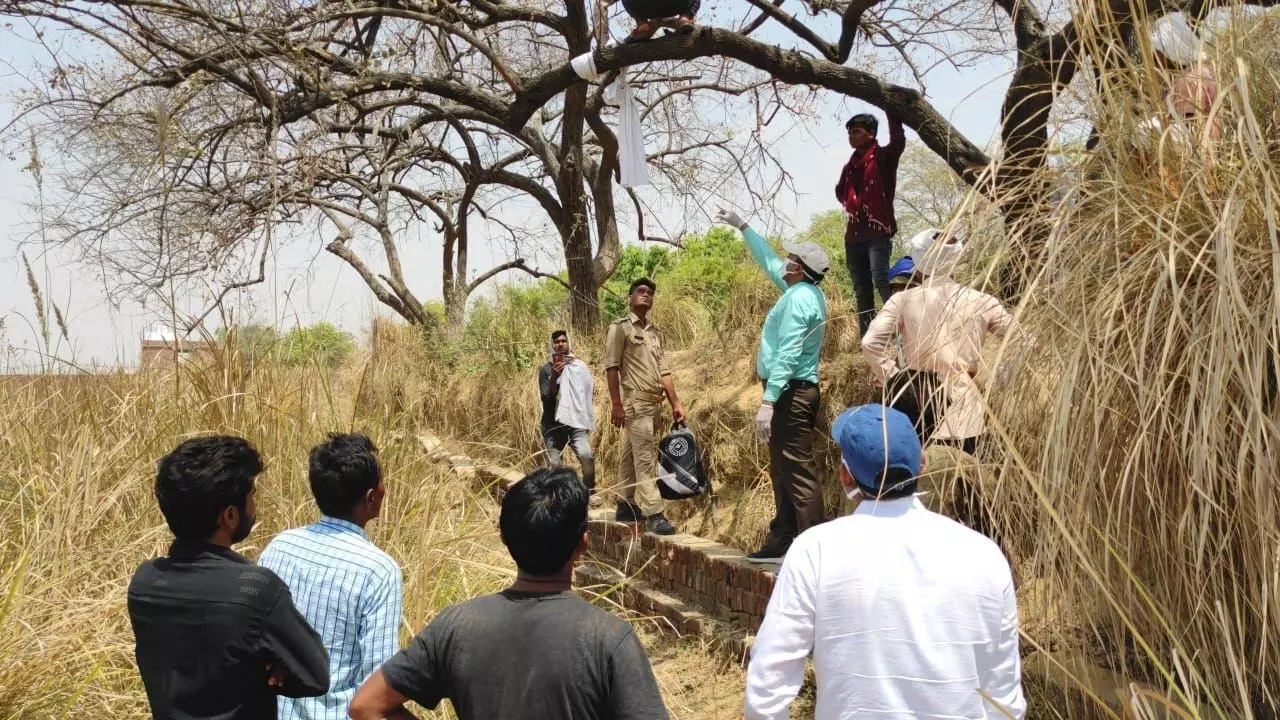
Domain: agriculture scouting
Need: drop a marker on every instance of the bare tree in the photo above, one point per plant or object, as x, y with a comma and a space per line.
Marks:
280, 70
929, 193
236, 120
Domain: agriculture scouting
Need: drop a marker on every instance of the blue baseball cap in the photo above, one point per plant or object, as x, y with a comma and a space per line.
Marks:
874, 439
903, 268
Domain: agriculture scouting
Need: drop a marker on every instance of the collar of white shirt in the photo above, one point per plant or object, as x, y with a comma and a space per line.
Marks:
889, 508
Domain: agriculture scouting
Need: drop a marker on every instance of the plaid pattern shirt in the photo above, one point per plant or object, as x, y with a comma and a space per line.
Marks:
350, 591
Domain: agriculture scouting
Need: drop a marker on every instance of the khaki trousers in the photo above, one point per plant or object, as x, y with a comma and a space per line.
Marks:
638, 466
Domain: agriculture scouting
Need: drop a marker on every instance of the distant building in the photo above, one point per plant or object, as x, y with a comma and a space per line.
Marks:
161, 347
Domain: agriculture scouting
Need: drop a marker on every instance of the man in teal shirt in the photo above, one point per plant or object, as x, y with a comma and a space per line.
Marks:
787, 365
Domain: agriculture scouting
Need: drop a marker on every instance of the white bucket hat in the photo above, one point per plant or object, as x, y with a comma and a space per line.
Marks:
1174, 38
934, 258
812, 255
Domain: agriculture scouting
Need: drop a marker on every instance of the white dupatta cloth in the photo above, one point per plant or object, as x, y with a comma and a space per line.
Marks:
633, 164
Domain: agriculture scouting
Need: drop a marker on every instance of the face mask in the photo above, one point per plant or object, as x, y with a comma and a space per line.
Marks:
244, 528
851, 492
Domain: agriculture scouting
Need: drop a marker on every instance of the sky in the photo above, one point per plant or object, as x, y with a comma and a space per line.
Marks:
306, 285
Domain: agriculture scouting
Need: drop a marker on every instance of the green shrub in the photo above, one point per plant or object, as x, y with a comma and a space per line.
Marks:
707, 268
515, 327
321, 344
635, 263
254, 342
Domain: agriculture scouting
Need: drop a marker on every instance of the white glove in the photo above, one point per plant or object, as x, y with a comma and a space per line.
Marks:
764, 421
729, 217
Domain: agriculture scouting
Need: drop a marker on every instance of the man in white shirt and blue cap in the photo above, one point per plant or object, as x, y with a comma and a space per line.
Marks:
908, 614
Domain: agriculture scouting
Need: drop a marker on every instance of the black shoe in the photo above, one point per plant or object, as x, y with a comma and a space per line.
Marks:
768, 554
627, 513
658, 525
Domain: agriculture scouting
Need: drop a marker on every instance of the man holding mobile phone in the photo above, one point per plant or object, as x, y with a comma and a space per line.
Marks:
568, 417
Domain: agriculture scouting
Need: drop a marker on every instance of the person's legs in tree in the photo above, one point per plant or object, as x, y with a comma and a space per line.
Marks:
859, 264
640, 10
686, 14
648, 14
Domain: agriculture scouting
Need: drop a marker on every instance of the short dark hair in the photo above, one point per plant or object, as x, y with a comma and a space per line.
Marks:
342, 469
543, 518
642, 282
201, 478
558, 334
897, 483
866, 121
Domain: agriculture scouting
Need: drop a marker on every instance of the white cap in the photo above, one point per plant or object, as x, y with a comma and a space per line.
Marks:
812, 255
1174, 37
933, 258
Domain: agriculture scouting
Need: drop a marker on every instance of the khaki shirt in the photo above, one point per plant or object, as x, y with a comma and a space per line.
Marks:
636, 350
943, 326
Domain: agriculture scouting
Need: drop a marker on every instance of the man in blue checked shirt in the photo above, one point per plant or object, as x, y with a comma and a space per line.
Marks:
347, 588
787, 365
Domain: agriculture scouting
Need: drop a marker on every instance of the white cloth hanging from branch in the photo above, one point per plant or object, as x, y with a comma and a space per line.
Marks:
633, 163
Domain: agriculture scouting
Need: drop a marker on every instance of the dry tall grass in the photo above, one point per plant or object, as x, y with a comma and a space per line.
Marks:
1139, 480
77, 516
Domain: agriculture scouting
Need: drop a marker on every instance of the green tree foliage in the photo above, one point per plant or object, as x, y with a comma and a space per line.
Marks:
253, 342
321, 344
707, 268
435, 310
635, 263
512, 328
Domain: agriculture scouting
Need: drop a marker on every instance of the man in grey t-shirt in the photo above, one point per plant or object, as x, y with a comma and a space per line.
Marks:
535, 650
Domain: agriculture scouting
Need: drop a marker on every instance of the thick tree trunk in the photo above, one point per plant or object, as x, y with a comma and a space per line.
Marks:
1045, 64
584, 306
584, 310
455, 306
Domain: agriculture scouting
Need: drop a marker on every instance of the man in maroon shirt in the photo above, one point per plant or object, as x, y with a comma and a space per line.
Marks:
866, 188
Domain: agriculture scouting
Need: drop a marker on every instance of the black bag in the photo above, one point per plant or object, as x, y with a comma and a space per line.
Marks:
681, 474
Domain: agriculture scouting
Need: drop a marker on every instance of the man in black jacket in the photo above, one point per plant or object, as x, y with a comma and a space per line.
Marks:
216, 636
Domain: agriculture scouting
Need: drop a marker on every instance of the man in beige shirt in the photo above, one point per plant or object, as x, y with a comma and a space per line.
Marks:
638, 376
943, 326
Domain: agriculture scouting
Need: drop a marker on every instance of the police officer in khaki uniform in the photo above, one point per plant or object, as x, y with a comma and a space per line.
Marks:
638, 378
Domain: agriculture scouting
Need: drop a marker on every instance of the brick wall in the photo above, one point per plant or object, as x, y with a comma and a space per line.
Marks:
713, 576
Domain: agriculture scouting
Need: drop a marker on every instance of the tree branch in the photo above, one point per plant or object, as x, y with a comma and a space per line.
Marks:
849, 24
967, 159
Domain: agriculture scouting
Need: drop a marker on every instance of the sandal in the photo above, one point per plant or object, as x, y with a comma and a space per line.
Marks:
644, 30
684, 25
